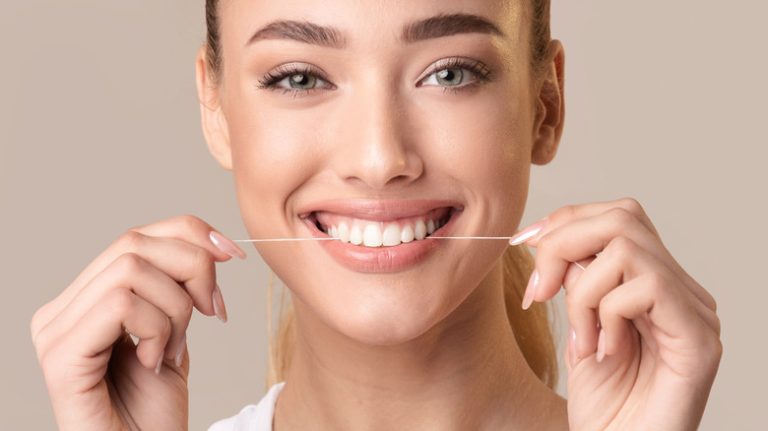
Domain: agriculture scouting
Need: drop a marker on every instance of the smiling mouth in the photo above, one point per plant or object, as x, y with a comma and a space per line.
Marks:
377, 233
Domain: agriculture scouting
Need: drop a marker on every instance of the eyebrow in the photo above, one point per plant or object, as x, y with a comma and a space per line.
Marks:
429, 28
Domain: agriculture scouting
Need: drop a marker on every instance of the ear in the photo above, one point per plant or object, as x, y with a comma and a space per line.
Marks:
214, 122
550, 106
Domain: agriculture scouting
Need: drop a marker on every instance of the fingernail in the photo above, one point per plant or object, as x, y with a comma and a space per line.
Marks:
226, 245
601, 346
159, 363
572, 347
218, 304
180, 353
530, 290
528, 233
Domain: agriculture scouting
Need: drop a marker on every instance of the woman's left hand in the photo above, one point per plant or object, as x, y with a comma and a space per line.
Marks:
644, 344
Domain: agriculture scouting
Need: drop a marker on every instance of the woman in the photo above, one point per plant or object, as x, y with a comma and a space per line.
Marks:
382, 126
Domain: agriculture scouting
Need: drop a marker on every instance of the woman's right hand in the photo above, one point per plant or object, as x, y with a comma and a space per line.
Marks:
146, 284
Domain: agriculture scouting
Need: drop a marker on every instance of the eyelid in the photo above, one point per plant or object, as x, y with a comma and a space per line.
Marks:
475, 67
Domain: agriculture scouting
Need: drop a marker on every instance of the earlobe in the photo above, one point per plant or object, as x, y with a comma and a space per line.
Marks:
214, 123
550, 107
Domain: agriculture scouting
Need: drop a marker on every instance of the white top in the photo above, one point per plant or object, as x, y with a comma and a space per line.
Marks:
252, 417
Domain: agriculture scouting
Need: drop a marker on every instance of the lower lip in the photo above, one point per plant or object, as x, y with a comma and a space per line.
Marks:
382, 259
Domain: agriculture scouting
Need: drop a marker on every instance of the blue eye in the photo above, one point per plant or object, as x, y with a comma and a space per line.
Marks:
449, 74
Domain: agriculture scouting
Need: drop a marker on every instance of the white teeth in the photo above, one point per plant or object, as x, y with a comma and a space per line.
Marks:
372, 235
406, 235
356, 235
420, 231
391, 235
343, 232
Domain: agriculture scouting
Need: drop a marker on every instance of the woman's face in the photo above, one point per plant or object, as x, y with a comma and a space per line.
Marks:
377, 128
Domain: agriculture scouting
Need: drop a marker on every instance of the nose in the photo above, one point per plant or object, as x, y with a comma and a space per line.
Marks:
377, 149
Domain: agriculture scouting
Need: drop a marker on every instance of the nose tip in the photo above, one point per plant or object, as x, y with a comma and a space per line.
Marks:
380, 153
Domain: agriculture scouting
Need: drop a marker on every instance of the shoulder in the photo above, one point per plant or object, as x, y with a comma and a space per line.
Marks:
253, 417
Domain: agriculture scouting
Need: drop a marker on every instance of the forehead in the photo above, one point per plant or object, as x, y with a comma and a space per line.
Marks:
365, 25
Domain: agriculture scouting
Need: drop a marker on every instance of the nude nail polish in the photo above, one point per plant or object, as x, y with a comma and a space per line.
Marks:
530, 290
218, 304
528, 233
226, 245
601, 346
572, 348
159, 364
180, 354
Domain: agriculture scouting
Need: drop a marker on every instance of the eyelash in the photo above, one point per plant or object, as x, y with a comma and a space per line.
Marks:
479, 69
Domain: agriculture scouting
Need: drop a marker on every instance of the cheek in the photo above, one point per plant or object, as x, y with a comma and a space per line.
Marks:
272, 158
485, 146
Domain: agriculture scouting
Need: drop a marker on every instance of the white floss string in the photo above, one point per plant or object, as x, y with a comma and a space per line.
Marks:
339, 239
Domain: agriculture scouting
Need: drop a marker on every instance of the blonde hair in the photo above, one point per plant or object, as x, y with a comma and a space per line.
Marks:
532, 327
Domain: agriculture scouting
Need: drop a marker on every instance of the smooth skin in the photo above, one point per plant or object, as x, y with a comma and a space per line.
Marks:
146, 283
429, 348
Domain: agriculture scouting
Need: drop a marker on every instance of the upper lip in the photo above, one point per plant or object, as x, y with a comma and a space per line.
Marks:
378, 210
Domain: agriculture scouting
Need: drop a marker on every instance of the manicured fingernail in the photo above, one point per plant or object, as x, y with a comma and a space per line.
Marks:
218, 304
530, 290
572, 347
226, 245
528, 233
601, 346
159, 364
180, 353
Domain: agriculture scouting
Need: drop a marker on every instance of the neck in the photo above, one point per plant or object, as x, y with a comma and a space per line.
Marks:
466, 372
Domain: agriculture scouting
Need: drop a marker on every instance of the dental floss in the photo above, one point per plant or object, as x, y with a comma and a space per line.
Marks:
333, 238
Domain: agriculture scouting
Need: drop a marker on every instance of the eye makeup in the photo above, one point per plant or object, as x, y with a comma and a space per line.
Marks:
478, 69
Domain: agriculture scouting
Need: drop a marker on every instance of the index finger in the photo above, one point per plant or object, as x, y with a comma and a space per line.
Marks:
531, 234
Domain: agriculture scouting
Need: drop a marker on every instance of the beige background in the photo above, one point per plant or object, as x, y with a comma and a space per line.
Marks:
100, 131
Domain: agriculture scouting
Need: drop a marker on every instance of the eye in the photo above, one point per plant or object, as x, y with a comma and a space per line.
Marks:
449, 74
454, 72
295, 79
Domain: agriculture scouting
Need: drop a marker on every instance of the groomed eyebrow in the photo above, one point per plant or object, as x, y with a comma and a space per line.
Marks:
429, 28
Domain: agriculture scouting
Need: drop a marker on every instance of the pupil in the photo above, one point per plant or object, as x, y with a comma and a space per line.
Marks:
449, 76
300, 79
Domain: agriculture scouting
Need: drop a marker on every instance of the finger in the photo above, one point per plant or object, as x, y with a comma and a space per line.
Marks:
193, 230
188, 229
569, 213
583, 238
132, 272
672, 316
118, 312
621, 209
588, 236
621, 260
186, 263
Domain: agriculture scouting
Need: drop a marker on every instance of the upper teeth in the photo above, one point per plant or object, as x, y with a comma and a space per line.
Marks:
377, 234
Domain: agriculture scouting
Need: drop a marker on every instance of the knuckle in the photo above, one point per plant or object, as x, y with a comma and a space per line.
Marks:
565, 212
621, 217
130, 240
129, 263
632, 205
190, 222
621, 248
